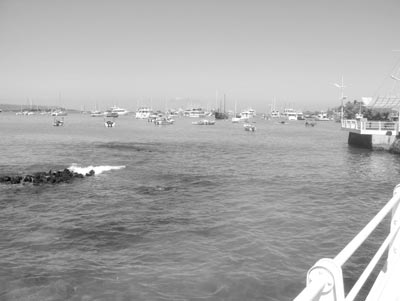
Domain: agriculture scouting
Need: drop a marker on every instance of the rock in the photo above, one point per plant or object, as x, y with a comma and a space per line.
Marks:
50, 177
90, 173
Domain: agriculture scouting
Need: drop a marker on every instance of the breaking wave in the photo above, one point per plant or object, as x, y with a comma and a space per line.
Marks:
97, 169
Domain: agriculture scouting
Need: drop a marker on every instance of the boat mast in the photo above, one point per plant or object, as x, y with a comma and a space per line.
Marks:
342, 97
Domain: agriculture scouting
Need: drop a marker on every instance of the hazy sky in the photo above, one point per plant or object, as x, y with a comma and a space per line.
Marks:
88, 52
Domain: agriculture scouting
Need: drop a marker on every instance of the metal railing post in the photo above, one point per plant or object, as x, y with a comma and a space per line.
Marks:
324, 282
394, 247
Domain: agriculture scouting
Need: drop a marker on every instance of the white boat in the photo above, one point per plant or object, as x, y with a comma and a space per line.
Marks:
195, 112
111, 114
204, 122
143, 113
247, 114
118, 110
97, 113
300, 116
290, 114
58, 121
59, 112
236, 119
109, 123
163, 121
275, 114
249, 127
322, 117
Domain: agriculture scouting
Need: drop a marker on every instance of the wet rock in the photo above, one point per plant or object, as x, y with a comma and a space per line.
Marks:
90, 173
39, 178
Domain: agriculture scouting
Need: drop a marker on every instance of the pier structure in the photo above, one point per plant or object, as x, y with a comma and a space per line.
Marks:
325, 279
364, 133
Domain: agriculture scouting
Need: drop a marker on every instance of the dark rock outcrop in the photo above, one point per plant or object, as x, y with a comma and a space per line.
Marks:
39, 178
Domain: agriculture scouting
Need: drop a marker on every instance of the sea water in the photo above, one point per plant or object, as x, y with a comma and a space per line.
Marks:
182, 212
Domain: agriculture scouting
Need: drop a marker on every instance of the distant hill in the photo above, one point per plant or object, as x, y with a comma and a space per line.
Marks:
17, 108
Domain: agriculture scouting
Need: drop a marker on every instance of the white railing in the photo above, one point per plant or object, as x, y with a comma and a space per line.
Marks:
366, 125
325, 279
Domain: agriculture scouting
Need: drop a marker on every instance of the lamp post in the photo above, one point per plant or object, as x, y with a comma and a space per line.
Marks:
341, 86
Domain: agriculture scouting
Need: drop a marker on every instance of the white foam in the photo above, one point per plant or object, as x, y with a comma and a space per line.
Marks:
97, 169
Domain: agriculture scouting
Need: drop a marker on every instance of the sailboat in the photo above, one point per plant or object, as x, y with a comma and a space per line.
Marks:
221, 115
235, 118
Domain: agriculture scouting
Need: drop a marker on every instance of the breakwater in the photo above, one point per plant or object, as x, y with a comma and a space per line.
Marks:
50, 177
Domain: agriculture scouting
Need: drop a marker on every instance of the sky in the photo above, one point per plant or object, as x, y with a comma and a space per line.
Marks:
168, 53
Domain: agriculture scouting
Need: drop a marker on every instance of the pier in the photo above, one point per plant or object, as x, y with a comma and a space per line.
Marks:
371, 134
325, 279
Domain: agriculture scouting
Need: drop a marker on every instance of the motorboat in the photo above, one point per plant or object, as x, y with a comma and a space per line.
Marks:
249, 127
97, 113
195, 112
118, 111
289, 114
204, 122
322, 117
59, 112
109, 122
163, 121
143, 113
58, 121
111, 114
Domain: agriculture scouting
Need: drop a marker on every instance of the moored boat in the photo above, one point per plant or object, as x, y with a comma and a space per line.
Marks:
118, 111
204, 122
143, 113
249, 127
58, 121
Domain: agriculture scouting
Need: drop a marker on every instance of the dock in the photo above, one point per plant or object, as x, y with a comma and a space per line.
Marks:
325, 279
379, 135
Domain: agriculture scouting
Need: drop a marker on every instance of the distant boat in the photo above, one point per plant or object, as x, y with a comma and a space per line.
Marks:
247, 114
290, 114
195, 113
59, 112
322, 117
163, 121
249, 127
97, 113
58, 121
118, 111
111, 114
143, 113
109, 123
204, 122
275, 114
221, 115
300, 116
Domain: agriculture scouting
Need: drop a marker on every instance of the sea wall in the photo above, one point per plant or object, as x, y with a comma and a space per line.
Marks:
395, 147
374, 142
364, 141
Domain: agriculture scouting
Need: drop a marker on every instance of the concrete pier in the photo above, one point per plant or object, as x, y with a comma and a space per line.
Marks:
376, 135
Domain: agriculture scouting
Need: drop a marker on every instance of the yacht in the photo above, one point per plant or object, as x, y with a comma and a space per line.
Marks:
96, 113
195, 112
143, 113
322, 117
59, 112
119, 111
275, 114
247, 114
290, 114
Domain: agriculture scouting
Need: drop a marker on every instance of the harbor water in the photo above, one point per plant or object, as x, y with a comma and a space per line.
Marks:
181, 212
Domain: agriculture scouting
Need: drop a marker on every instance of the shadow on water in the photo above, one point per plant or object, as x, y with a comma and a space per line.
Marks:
128, 146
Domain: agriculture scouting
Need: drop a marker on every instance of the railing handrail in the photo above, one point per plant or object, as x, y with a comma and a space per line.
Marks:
319, 282
369, 125
354, 244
